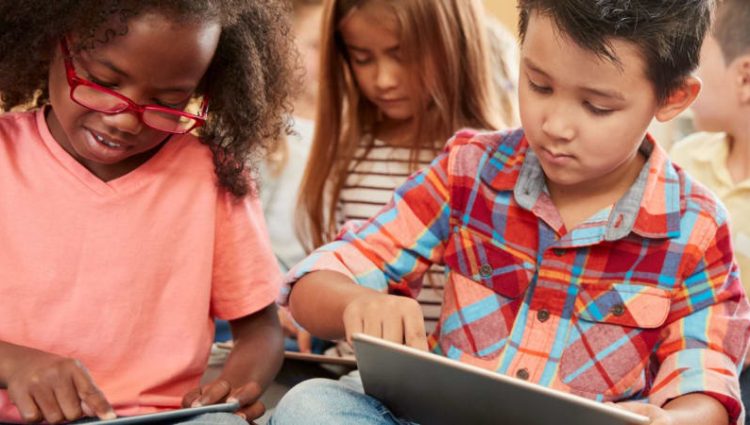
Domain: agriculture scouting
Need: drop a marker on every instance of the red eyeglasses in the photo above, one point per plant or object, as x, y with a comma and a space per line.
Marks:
101, 99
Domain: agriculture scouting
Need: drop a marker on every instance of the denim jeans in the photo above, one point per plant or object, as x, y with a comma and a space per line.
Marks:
329, 402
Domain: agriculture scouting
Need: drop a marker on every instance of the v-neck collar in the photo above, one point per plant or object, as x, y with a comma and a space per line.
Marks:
130, 181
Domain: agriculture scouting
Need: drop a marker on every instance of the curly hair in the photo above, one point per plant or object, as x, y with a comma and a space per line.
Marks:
248, 81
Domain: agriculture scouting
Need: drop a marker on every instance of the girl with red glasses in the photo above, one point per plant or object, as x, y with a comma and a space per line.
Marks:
128, 214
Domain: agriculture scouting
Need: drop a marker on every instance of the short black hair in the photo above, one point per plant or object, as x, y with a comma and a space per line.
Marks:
251, 73
669, 33
732, 28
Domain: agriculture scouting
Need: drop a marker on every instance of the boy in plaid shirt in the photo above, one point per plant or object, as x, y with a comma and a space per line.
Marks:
579, 257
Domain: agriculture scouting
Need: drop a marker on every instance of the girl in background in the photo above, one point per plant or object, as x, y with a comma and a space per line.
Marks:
397, 79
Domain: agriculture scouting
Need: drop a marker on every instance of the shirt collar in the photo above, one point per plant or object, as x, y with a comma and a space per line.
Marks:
650, 208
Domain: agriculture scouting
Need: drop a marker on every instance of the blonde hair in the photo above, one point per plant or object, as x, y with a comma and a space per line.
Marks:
461, 95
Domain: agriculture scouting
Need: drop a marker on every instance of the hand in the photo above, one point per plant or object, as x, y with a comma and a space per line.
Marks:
657, 415
394, 318
54, 389
304, 339
221, 390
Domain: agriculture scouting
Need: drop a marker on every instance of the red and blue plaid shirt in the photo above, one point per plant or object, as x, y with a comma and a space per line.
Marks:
641, 301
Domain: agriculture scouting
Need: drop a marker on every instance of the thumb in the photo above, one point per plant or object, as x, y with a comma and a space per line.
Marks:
304, 340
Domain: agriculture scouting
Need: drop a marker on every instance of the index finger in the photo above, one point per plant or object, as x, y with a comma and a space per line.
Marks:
246, 394
92, 396
213, 393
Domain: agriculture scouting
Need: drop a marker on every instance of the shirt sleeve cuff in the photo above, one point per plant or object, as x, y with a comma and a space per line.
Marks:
317, 261
700, 371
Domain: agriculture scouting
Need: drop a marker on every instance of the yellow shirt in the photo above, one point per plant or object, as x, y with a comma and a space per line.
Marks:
704, 156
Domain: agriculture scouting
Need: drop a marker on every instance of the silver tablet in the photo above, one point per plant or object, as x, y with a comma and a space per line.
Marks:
171, 415
433, 390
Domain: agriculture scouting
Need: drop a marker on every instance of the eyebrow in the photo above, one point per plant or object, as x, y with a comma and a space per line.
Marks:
115, 69
364, 50
612, 94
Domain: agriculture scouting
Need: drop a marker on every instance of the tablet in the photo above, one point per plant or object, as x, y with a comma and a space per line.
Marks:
171, 415
430, 389
320, 358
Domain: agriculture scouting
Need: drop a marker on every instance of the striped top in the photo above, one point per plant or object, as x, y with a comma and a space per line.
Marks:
375, 173
642, 301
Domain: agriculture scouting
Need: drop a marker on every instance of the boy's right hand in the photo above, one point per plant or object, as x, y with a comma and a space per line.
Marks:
52, 388
390, 317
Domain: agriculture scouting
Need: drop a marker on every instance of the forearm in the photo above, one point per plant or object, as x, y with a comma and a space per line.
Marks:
698, 409
258, 350
318, 301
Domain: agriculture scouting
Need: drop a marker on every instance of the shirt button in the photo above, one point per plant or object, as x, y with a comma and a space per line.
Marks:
559, 252
617, 310
542, 315
485, 270
523, 374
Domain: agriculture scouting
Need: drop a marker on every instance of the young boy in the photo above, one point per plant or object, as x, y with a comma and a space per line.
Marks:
579, 257
719, 157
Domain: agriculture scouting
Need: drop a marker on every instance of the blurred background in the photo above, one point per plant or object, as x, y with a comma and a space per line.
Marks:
505, 10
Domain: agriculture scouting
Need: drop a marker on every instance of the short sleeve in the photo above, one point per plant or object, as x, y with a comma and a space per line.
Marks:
246, 276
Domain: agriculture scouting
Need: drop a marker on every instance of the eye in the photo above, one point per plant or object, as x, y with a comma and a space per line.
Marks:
538, 88
100, 82
361, 59
596, 110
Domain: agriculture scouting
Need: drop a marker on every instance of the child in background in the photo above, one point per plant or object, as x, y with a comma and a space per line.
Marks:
398, 77
123, 233
719, 156
579, 257
283, 172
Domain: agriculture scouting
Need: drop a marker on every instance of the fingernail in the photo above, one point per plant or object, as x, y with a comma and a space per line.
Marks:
232, 400
109, 415
196, 403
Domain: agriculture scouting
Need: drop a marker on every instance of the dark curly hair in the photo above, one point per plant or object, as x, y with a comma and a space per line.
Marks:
251, 74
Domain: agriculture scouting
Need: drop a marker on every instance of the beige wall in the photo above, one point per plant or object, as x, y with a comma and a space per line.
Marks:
505, 10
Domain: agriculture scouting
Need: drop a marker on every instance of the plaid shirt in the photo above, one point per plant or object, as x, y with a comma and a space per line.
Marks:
641, 301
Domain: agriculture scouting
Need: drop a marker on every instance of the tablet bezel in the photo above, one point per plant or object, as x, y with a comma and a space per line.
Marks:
368, 349
171, 414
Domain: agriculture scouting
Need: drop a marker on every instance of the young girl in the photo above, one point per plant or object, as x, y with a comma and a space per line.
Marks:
397, 79
124, 234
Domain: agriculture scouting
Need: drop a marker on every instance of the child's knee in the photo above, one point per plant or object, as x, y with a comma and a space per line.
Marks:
319, 401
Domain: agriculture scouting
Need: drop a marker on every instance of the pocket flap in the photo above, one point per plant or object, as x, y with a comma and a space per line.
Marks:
480, 260
637, 306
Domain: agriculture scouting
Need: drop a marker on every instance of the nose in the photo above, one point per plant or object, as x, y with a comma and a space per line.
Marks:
387, 75
558, 125
125, 122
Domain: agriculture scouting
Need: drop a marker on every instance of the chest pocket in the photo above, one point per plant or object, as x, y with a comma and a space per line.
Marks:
482, 296
613, 332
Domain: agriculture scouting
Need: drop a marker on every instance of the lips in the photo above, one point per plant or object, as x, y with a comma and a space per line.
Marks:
109, 142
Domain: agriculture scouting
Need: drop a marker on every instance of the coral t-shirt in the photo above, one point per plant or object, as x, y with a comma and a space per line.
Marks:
124, 275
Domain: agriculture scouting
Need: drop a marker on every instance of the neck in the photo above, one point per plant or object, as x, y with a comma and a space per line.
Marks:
395, 132
576, 203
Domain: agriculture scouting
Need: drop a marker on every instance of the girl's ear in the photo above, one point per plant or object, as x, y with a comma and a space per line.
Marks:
680, 99
743, 79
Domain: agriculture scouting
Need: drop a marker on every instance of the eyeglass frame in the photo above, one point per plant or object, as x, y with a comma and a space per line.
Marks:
74, 80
